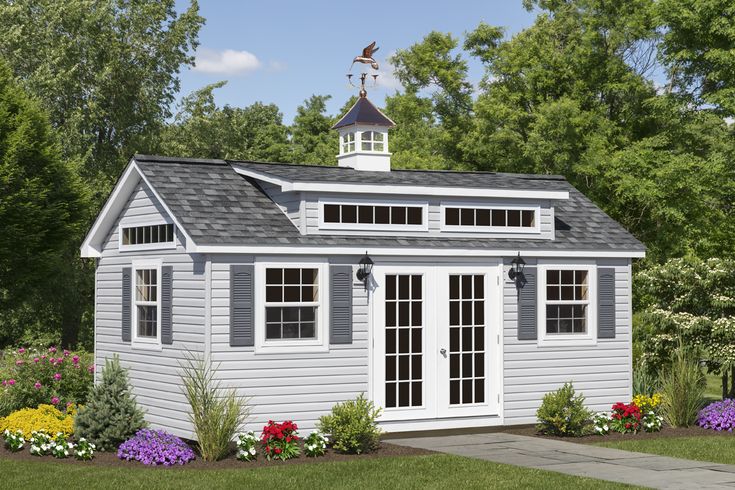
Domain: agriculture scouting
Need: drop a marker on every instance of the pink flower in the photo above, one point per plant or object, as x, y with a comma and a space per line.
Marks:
52, 360
91, 368
21, 350
11, 382
66, 353
52, 349
57, 377
36, 359
5, 382
37, 385
43, 357
55, 400
75, 359
19, 362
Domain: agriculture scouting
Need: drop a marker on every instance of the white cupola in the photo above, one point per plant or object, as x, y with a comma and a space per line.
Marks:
363, 137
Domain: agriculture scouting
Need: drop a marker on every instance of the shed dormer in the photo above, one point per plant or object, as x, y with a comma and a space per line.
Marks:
363, 137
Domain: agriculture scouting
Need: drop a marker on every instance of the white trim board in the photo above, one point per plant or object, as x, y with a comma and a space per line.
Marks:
358, 188
408, 252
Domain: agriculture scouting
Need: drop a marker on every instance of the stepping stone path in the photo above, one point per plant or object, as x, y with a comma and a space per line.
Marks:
581, 460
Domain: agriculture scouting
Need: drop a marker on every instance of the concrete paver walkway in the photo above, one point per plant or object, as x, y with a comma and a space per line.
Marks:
582, 460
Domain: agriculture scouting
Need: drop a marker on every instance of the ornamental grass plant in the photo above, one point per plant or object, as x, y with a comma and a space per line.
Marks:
682, 389
217, 414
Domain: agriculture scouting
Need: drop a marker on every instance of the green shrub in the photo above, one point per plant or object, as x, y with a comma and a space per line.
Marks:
30, 376
644, 383
682, 387
352, 426
216, 414
562, 413
112, 415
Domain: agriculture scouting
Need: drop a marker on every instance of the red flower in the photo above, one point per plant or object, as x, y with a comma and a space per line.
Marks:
278, 450
288, 438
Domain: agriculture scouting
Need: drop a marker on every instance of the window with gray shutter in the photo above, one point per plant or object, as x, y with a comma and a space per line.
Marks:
606, 303
242, 308
340, 304
527, 305
126, 302
167, 275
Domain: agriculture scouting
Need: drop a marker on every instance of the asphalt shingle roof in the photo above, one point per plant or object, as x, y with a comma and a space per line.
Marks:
217, 206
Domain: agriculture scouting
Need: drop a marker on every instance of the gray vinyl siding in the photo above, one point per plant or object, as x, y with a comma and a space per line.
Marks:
289, 202
601, 372
299, 387
154, 375
546, 224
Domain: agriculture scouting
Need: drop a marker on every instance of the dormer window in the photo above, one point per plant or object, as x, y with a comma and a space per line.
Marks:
348, 142
490, 219
372, 141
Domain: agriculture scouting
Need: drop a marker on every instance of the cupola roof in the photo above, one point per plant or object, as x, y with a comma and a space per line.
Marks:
364, 112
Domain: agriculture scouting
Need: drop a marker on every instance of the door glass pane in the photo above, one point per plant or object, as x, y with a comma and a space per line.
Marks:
466, 339
404, 340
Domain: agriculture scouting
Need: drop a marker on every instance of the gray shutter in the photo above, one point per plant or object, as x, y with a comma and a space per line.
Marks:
528, 306
340, 304
167, 277
606, 303
242, 309
126, 302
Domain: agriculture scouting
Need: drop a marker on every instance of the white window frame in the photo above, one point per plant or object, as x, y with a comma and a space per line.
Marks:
373, 141
146, 343
145, 246
345, 141
568, 339
283, 346
424, 205
530, 230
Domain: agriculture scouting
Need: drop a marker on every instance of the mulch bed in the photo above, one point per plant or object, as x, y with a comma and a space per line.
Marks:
616, 436
111, 460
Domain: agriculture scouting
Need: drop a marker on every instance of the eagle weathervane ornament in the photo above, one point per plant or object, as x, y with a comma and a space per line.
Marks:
366, 58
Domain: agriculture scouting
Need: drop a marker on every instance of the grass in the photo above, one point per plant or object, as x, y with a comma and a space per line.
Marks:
713, 392
441, 471
700, 448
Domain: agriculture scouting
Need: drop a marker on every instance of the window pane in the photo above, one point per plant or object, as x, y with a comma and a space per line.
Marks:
498, 217
349, 214
552, 277
366, 214
366, 146
273, 331
528, 219
378, 146
274, 276
331, 213
398, 215
514, 217
467, 217
451, 216
126, 236
292, 276
382, 215
377, 136
415, 216
483, 217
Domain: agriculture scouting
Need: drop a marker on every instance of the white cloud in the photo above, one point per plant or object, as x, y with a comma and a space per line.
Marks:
226, 62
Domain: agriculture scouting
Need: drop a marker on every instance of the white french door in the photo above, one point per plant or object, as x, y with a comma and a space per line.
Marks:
436, 346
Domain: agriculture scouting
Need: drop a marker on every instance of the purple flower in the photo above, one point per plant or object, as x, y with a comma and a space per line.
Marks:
11, 382
57, 376
52, 349
152, 447
37, 385
55, 400
718, 416
21, 350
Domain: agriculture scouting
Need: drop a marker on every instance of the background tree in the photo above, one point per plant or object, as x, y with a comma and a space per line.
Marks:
203, 130
106, 70
43, 208
311, 137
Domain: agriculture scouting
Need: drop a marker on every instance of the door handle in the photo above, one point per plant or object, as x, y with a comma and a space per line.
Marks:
443, 352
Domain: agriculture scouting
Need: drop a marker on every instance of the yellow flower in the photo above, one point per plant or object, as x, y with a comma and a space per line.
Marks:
44, 418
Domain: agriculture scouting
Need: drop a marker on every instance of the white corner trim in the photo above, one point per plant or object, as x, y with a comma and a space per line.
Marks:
408, 252
358, 188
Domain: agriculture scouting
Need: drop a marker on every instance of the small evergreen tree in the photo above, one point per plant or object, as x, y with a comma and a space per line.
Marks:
112, 415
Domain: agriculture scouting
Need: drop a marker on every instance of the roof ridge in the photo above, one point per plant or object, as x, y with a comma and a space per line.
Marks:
168, 159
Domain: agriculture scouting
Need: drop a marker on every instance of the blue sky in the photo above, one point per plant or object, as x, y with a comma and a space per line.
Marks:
285, 51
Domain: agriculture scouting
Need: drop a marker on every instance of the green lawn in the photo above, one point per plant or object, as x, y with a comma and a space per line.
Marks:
701, 448
441, 471
714, 388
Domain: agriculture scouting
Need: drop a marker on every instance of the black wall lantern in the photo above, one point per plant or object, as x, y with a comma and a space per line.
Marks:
366, 268
516, 271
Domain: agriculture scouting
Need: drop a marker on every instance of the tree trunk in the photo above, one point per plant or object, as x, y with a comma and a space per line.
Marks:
725, 384
732, 382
